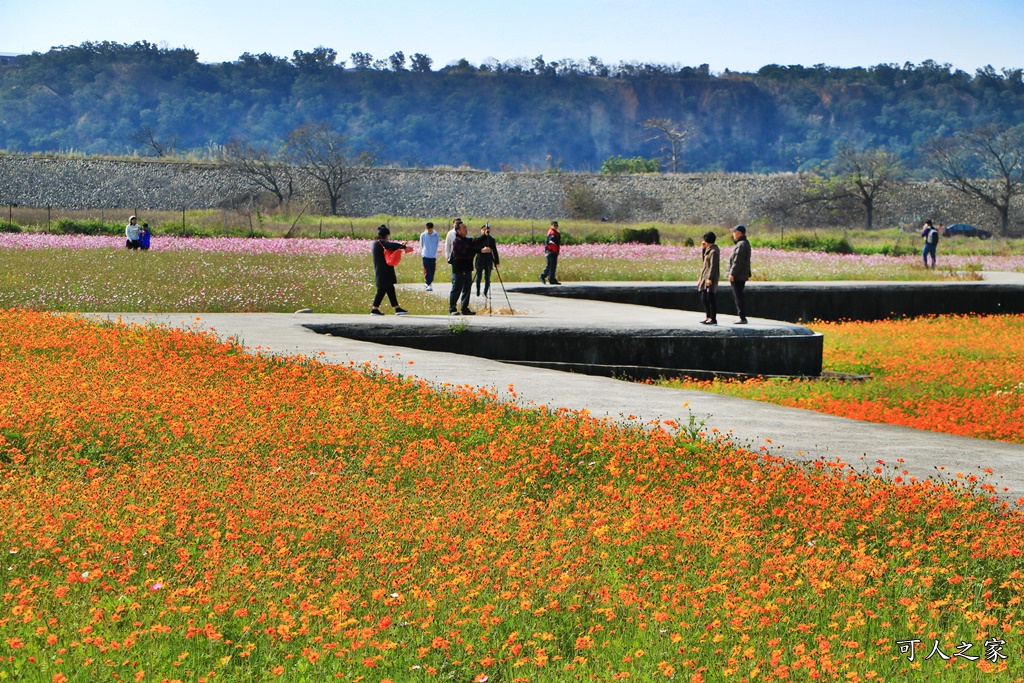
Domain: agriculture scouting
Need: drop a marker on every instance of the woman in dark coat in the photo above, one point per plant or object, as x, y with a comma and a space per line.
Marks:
485, 261
383, 274
707, 282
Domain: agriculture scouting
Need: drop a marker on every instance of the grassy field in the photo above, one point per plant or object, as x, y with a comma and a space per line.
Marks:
278, 223
180, 511
95, 273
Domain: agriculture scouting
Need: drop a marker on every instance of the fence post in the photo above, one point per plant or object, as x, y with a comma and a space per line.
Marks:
47, 219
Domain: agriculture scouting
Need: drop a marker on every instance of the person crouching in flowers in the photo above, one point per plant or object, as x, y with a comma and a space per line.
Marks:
131, 233
144, 237
707, 283
384, 274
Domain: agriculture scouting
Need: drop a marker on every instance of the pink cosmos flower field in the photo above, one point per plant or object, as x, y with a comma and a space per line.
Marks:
769, 259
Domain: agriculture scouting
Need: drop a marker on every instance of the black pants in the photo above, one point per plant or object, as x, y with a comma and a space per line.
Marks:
461, 282
485, 274
710, 301
429, 267
550, 265
390, 292
739, 297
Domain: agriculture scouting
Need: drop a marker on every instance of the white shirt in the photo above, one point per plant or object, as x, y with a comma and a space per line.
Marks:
449, 244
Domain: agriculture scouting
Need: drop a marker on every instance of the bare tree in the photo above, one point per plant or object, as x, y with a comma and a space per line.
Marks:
986, 163
674, 137
858, 175
145, 137
263, 168
326, 156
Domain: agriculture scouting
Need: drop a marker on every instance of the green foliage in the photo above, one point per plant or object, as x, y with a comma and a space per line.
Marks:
619, 165
778, 119
802, 242
641, 235
6, 226
73, 226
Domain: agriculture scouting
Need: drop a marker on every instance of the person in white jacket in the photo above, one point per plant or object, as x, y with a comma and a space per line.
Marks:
131, 233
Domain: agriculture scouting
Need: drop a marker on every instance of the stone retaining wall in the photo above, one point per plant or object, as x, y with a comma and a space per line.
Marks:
77, 184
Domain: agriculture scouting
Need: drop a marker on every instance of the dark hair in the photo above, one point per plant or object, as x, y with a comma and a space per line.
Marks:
709, 237
429, 224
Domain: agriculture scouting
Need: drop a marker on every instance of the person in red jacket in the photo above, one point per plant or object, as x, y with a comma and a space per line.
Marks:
552, 245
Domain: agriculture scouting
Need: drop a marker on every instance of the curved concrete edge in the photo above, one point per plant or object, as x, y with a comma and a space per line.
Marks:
590, 350
591, 335
790, 433
804, 301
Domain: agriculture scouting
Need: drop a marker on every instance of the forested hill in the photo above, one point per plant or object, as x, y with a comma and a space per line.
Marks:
107, 98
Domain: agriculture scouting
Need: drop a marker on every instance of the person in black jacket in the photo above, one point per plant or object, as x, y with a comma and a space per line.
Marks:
738, 271
383, 274
463, 251
485, 261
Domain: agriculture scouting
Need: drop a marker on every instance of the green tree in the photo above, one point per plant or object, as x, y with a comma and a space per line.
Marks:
421, 63
317, 61
362, 60
619, 165
397, 61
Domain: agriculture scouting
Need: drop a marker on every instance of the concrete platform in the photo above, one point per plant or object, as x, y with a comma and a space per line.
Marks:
596, 337
786, 432
798, 302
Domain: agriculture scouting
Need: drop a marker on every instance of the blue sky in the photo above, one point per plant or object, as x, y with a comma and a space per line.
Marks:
740, 35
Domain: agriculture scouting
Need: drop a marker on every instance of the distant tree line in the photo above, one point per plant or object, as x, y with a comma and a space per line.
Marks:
856, 131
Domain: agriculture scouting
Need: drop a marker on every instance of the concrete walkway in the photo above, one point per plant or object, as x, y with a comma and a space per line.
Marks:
787, 432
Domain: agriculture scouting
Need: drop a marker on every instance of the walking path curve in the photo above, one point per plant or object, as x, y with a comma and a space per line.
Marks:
787, 432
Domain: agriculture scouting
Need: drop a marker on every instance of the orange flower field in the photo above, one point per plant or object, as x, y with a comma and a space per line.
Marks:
956, 374
175, 509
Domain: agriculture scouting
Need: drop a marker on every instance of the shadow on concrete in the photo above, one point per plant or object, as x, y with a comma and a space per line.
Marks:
801, 302
640, 350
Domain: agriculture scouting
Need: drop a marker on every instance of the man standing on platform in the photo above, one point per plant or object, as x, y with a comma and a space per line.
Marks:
463, 251
739, 271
